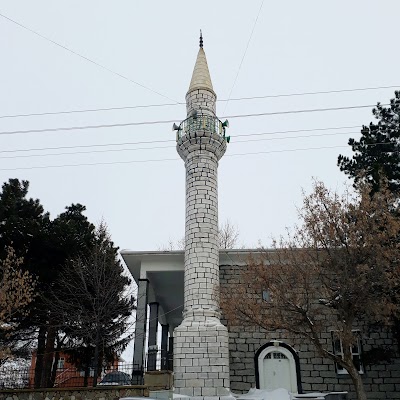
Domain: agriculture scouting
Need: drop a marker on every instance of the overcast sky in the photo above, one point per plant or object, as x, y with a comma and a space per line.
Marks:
296, 47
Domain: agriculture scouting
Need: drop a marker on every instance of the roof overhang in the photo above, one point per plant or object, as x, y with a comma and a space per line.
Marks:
165, 272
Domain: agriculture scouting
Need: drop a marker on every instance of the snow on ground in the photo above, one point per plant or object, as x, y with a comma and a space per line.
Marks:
257, 394
14, 374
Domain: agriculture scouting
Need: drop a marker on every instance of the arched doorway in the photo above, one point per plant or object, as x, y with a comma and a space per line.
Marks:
277, 366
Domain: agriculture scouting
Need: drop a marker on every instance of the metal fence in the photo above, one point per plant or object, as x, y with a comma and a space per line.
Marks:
24, 377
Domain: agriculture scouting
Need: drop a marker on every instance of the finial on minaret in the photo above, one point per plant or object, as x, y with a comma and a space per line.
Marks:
201, 40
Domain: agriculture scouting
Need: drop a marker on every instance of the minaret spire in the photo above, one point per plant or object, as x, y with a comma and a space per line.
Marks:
201, 80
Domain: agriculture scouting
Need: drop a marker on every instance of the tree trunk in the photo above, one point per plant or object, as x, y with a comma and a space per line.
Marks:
41, 346
396, 331
48, 358
96, 359
86, 377
87, 367
55, 365
357, 382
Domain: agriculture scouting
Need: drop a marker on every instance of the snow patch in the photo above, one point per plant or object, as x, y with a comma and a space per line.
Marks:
258, 394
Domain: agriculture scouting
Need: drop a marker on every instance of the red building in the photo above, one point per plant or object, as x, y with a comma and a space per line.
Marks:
68, 375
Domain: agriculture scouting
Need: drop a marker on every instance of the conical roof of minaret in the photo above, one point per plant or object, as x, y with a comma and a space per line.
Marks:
201, 75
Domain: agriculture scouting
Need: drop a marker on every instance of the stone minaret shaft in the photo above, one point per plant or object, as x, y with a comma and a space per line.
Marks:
201, 361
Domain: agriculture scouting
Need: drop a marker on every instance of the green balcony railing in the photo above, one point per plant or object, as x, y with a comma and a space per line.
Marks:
201, 122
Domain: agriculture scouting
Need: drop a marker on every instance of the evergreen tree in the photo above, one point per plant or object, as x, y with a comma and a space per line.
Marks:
22, 226
377, 153
46, 247
376, 160
69, 236
93, 302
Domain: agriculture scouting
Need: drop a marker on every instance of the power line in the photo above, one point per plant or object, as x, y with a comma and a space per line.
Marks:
72, 128
174, 141
293, 137
244, 55
314, 93
299, 130
87, 152
84, 57
176, 159
283, 151
170, 147
85, 146
180, 103
90, 110
300, 111
174, 120
90, 164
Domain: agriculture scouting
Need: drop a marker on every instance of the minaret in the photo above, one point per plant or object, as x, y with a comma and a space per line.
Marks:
201, 359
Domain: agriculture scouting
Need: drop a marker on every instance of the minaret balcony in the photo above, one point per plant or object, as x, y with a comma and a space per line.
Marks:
204, 123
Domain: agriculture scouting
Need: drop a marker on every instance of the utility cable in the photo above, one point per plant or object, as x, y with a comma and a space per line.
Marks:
300, 111
85, 58
174, 120
170, 147
72, 128
174, 141
85, 146
244, 55
89, 110
176, 159
176, 103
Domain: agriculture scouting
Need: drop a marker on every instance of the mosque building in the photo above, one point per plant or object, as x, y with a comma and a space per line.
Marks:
176, 290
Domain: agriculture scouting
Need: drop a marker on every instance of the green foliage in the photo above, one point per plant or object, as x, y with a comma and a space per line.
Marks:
67, 246
94, 303
376, 155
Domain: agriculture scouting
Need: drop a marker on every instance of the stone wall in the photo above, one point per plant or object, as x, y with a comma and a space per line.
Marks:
381, 381
201, 100
99, 393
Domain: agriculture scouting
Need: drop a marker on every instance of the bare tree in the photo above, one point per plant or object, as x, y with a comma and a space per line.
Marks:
228, 235
16, 292
331, 274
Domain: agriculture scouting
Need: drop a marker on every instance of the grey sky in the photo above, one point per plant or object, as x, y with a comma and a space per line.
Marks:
297, 46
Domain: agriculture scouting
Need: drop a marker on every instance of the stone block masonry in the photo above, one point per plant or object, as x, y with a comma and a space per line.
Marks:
201, 233
98, 393
202, 101
201, 361
381, 380
201, 354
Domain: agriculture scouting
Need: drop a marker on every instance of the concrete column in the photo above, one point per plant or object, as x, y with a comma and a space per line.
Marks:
170, 353
152, 342
164, 346
140, 331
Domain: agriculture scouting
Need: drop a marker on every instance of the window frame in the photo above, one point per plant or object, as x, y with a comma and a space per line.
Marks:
61, 363
358, 353
266, 295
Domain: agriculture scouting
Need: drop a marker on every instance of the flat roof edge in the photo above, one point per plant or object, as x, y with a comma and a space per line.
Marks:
180, 252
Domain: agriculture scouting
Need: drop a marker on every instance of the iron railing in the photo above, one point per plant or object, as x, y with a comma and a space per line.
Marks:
164, 361
24, 377
200, 122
